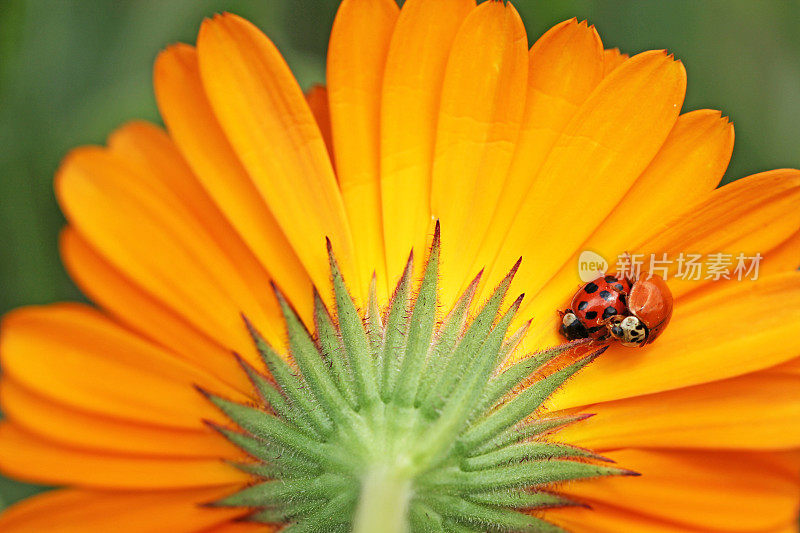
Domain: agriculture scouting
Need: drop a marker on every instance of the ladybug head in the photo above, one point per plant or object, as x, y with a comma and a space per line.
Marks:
630, 331
571, 327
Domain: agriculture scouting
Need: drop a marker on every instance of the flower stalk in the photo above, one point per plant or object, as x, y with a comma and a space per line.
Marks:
384, 501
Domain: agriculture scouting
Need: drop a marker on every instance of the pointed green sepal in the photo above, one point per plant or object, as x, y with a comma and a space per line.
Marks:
293, 386
394, 345
277, 492
518, 408
333, 352
389, 419
420, 330
354, 338
489, 517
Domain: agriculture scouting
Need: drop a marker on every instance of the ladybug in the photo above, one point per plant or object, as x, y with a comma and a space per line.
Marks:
649, 311
593, 306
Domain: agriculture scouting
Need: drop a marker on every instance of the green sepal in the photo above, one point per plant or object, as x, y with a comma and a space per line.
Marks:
489, 517
285, 512
326, 517
332, 351
518, 408
273, 399
470, 343
396, 330
271, 429
466, 392
316, 374
271, 455
513, 342
354, 338
292, 386
528, 451
374, 325
445, 340
423, 519
521, 499
525, 431
289, 468
454, 526
277, 492
515, 476
420, 330
516, 374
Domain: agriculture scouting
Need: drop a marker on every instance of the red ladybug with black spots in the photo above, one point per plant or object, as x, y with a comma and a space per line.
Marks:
649, 310
612, 307
593, 306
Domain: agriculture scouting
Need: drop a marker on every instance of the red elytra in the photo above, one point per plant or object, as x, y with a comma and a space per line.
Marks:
593, 305
650, 300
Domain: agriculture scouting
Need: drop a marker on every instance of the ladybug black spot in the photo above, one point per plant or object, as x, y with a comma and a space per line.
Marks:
610, 279
582, 306
609, 311
590, 288
618, 287
606, 295
591, 315
623, 299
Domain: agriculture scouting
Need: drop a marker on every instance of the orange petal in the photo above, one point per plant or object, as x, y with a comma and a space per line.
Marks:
612, 58
483, 98
412, 86
31, 459
317, 98
785, 256
756, 411
79, 511
144, 229
749, 339
565, 66
603, 518
75, 428
196, 132
705, 491
605, 148
789, 368
154, 154
356, 58
753, 214
72, 354
275, 135
144, 313
687, 168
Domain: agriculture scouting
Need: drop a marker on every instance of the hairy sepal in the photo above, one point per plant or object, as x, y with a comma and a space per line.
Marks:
401, 407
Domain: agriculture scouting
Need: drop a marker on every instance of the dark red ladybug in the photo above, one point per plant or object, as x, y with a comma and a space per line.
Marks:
649, 311
595, 305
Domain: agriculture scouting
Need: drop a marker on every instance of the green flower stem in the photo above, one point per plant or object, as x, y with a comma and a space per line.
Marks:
384, 499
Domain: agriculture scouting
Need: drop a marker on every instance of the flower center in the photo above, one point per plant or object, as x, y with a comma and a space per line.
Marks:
395, 422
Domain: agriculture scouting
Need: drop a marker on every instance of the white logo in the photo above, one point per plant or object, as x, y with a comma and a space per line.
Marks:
591, 266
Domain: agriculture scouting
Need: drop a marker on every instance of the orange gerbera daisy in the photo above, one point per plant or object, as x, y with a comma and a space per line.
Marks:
426, 403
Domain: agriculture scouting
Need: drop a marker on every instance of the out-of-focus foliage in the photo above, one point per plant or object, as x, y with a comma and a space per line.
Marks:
72, 70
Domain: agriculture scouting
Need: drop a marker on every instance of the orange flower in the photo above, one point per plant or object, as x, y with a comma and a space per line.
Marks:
436, 112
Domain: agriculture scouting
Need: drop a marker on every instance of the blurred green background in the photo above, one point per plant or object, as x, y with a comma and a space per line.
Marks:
72, 70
